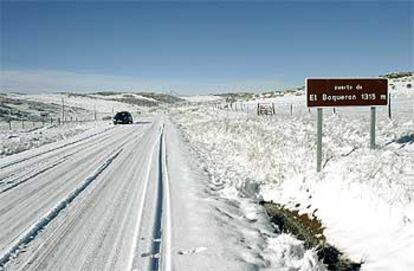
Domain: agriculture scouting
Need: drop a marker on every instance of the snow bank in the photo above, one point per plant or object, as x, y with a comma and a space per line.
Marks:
363, 197
16, 141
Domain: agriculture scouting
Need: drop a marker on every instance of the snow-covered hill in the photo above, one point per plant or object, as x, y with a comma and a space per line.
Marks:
38, 107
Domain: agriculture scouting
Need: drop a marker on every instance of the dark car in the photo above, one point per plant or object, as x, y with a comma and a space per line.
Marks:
123, 117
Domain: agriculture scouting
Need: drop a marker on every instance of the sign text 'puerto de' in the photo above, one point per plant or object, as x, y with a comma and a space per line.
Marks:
346, 92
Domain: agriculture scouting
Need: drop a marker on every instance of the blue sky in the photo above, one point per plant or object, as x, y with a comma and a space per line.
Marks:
199, 47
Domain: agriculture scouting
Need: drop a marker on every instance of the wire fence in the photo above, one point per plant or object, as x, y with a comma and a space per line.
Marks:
397, 108
14, 123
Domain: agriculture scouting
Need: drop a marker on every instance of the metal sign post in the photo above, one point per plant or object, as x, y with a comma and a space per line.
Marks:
372, 130
319, 141
389, 106
329, 92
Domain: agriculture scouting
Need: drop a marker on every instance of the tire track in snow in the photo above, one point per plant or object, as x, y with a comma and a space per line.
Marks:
161, 250
28, 164
43, 170
54, 149
36, 228
141, 210
48, 244
157, 227
50, 162
6, 207
166, 232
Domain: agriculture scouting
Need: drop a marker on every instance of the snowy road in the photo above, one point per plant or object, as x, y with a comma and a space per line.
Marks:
80, 206
106, 201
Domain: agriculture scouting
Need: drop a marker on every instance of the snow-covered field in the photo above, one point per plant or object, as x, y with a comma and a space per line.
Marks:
363, 197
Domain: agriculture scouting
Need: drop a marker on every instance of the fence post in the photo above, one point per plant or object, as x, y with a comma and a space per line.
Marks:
51, 121
22, 124
291, 109
10, 124
58, 121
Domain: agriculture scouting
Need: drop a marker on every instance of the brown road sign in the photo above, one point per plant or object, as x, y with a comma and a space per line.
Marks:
325, 92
